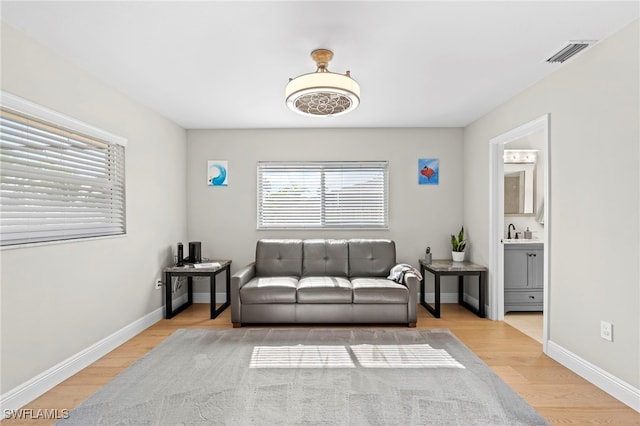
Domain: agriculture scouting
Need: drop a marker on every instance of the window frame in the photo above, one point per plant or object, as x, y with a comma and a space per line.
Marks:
323, 167
63, 123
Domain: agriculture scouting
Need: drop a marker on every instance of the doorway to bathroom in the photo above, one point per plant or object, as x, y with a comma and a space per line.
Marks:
527, 248
529, 323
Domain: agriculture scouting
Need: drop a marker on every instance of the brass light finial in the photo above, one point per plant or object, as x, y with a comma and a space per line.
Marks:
322, 58
322, 93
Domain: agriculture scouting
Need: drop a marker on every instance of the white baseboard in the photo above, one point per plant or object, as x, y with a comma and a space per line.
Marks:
472, 301
199, 298
453, 298
615, 387
204, 297
43, 382
444, 297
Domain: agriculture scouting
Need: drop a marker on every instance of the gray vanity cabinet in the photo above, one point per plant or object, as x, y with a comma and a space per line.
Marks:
523, 277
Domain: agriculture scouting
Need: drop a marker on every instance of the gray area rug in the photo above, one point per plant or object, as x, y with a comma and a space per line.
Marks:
307, 376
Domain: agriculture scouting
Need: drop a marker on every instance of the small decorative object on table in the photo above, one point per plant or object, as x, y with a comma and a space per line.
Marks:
427, 255
458, 244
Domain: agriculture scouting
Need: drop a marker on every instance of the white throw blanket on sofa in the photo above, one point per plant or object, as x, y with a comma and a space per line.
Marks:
398, 272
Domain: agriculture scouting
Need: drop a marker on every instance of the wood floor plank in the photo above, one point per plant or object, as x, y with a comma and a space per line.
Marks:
558, 394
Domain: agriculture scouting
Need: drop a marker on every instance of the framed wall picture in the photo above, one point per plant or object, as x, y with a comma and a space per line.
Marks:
428, 171
217, 173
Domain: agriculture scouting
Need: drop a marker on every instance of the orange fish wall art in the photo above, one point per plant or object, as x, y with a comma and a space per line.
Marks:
428, 171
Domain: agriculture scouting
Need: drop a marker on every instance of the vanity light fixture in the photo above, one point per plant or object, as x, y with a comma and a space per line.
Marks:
322, 93
520, 155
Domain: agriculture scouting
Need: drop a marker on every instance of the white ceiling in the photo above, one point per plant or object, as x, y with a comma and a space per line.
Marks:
213, 64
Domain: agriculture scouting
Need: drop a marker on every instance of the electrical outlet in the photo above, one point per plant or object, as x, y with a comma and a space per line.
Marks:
606, 330
158, 284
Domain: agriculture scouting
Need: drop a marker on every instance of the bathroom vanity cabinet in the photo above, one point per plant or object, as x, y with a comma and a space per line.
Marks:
523, 277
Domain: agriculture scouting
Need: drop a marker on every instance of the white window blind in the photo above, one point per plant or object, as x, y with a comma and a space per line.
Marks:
56, 183
322, 195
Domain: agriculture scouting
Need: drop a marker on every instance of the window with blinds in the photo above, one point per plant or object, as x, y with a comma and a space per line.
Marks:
323, 195
57, 183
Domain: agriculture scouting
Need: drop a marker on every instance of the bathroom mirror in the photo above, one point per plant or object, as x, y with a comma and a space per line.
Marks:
519, 182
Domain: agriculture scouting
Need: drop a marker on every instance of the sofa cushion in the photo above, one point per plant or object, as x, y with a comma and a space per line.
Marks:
269, 290
378, 290
279, 258
324, 290
371, 258
325, 258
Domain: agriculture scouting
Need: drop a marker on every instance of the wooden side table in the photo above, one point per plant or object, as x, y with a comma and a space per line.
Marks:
190, 271
461, 269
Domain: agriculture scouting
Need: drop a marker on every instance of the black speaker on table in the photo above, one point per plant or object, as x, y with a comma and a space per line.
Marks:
195, 252
180, 261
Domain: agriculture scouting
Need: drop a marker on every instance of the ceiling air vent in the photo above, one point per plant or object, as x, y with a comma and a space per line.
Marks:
570, 50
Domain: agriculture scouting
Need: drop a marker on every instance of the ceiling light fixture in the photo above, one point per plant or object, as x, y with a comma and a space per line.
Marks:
322, 93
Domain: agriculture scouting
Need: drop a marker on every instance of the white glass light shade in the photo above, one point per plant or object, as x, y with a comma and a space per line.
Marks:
322, 94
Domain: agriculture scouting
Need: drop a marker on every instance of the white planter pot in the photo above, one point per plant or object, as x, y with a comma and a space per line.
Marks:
457, 256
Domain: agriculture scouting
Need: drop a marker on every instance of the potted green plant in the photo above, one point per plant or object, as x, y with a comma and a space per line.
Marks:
458, 244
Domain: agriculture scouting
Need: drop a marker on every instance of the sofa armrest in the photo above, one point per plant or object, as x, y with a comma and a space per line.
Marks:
239, 279
411, 281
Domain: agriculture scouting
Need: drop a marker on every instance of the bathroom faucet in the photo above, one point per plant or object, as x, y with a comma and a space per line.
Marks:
509, 230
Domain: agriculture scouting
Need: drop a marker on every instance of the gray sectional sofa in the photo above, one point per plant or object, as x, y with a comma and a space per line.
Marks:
323, 281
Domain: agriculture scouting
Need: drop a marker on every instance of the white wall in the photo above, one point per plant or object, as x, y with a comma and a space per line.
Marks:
224, 218
57, 300
593, 101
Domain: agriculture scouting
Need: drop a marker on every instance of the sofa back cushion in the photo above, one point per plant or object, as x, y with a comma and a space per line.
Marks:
325, 258
371, 258
279, 258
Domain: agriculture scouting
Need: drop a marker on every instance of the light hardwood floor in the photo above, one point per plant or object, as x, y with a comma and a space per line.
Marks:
530, 323
561, 396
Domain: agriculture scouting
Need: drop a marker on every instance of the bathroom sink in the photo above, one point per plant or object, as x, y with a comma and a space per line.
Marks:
520, 241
